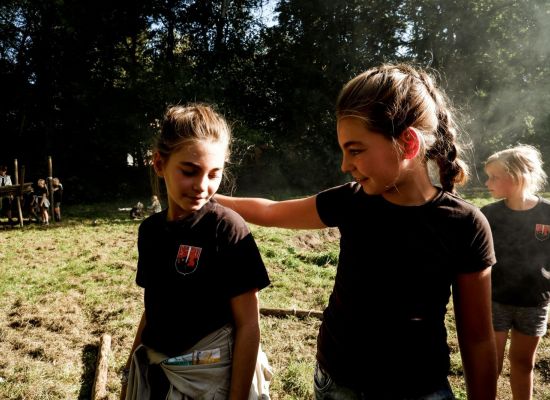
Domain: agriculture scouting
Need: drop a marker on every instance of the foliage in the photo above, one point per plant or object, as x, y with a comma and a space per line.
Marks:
86, 82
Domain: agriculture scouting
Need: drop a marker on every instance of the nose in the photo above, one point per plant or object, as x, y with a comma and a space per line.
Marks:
201, 183
346, 166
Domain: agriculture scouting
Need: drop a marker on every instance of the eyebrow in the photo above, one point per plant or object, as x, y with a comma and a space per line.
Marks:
195, 165
351, 143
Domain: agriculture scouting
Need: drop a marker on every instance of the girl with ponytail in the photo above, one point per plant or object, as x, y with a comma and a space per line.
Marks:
406, 245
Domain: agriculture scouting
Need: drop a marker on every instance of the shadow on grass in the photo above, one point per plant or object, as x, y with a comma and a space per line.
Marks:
89, 357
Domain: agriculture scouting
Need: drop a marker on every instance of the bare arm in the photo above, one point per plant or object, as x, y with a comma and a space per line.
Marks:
246, 314
295, 214
137, 342
472, 305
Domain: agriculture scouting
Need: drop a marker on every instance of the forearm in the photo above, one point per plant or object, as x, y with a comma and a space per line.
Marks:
245, 353
137, 340
252, 209
294, 214
479, 362
135, 344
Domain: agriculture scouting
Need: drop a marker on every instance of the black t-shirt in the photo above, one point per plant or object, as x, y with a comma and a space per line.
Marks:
190, 269
58, 193
521, 276
383, 330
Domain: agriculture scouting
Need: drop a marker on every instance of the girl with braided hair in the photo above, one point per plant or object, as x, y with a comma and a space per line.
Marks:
405, 243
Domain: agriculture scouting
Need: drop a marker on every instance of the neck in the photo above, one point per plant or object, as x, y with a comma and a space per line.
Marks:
523, 201
414, 191
412, 187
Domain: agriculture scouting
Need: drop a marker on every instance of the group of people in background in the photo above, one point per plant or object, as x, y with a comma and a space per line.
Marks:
35, 203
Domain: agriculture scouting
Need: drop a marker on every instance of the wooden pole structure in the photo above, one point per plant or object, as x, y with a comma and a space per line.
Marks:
50, 188
18, 196
99, 390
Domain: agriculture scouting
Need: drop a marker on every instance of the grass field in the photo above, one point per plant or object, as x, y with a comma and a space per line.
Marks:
63, 286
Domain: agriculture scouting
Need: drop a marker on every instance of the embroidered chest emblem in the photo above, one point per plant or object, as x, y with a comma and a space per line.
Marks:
187, 259
542, 232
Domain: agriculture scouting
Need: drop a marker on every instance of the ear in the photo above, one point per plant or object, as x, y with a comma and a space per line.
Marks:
158, 164
410, 143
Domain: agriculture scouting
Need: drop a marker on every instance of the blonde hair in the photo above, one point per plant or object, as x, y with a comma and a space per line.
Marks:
524, 164
193, 122
391, 98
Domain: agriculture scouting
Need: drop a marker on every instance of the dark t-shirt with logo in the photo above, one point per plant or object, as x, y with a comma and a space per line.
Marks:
521, 276
383, 330
190, 269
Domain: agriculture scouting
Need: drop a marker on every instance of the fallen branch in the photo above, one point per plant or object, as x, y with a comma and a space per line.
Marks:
281, 312
99, 390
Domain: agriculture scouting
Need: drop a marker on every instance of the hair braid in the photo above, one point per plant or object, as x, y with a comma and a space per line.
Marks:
445, 151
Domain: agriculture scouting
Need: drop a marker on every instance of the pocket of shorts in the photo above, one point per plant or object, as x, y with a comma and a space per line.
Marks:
321, 379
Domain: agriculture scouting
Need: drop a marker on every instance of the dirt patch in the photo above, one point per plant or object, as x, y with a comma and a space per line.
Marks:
318, 239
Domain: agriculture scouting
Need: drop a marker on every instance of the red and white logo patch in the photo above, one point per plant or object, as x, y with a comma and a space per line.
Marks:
187, 259
542, 232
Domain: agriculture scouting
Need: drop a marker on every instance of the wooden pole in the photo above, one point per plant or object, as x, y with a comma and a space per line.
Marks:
50, 188
279, 312
99, 391
18, 196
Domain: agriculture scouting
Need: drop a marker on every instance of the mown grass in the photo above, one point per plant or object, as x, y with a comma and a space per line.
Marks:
63, 286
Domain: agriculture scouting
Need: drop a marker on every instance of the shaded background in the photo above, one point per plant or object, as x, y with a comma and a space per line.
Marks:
87, 81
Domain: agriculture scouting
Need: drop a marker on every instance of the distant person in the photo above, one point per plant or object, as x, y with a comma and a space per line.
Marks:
57, 189
42, 195
155, 206
520, 222
404, 244
201, 271
5, 180
136, 212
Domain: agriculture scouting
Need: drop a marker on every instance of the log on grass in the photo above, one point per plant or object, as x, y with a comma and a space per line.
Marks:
99, 390
280, 312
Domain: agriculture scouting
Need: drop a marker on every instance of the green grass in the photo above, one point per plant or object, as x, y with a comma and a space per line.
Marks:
63, 286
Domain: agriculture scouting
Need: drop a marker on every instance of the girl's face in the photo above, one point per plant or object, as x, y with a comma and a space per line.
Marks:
369, 157
192, 175
499, 182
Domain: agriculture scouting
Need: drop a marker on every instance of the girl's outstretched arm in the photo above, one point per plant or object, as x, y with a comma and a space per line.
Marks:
472, 307
294, 214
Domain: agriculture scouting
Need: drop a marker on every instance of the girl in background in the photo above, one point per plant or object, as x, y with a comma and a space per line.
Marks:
404, 244
520, 222
57, 188
42, 199
155, 206
201, 271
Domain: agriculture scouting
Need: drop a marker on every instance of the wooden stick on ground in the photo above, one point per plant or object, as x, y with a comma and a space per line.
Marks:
280, 312
99, 390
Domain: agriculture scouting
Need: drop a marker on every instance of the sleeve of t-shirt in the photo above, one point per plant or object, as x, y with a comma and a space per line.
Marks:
329, 204
481, 253
243, 267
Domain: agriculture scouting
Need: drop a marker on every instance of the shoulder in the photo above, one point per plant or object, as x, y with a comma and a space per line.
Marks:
458, 208
497, 205
152, 222
227, 220
350, 188
340, 194
458, 204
